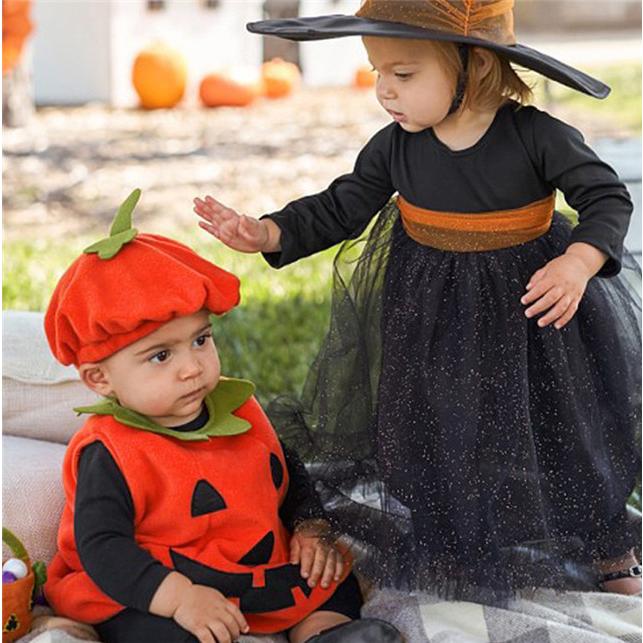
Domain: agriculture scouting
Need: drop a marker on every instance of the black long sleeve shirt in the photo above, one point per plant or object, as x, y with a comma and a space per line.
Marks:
104, 523
524, 155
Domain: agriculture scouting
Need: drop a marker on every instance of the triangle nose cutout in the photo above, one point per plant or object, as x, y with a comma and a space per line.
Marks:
206, 499
261, 552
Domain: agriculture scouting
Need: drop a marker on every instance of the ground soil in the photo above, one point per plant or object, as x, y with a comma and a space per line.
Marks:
66, 172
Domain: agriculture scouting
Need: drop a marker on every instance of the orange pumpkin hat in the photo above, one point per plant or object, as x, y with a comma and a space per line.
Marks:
124, 287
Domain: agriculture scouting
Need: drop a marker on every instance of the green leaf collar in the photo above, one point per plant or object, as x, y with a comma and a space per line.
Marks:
228, 396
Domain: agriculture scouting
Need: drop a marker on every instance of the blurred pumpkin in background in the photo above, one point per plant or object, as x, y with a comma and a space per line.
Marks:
280, 78
159, 76
16, 26
230, 89
365, 77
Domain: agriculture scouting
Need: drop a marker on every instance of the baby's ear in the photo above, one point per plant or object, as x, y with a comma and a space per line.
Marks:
95, 377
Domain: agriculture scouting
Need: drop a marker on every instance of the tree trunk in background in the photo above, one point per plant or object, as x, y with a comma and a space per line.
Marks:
17, 94
278, 47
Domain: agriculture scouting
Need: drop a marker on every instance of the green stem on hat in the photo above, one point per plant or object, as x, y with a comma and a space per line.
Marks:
123, 218
121, 231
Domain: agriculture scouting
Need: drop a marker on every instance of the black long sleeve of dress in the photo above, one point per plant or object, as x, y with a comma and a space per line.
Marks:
342, 211
104, 526
524, 155
591, 186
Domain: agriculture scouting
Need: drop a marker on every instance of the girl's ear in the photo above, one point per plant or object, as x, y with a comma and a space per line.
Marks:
96, 377
483, 59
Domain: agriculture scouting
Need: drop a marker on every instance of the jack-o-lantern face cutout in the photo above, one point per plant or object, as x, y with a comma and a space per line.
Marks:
276, 470
206, 499
280, 580
261, 552
276, 594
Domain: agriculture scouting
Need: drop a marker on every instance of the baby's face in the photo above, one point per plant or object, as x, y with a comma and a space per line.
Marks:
167, 374
412, 86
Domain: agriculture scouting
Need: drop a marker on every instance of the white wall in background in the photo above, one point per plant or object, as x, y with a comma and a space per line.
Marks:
331, 62
84, 49
71, 51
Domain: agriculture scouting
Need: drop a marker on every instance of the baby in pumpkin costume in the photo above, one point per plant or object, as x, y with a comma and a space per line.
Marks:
185, 517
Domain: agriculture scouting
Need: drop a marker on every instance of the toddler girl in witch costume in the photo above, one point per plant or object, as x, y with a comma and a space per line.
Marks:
185, 518
473, 412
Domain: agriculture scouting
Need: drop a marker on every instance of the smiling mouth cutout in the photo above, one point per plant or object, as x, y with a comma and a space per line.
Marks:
275, 593
260, 590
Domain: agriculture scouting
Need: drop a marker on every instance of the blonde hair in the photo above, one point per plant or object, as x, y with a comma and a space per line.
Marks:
486, 91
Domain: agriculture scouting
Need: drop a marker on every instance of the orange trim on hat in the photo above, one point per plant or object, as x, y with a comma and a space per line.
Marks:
471, 232
487, 19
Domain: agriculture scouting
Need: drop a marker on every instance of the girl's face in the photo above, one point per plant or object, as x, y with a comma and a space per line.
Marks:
412, 86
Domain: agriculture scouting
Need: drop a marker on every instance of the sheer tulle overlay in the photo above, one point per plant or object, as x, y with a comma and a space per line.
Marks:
462, 448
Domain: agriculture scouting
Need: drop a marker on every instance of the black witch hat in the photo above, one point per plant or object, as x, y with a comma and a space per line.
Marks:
480, 23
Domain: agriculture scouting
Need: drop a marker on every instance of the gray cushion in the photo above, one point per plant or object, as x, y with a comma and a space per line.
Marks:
32, 492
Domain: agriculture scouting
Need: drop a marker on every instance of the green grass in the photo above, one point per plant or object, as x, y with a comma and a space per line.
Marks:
271, 338
622, 107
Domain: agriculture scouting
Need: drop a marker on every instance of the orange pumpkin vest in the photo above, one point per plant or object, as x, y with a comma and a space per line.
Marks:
208, 509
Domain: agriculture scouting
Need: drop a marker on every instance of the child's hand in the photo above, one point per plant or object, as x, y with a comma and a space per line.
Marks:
310, 545
558, 288
237, 231
209, 615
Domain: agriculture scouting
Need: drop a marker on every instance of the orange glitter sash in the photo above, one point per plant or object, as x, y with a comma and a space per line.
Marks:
464, 232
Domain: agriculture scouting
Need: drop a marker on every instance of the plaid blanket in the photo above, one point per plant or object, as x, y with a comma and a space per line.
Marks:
547, 617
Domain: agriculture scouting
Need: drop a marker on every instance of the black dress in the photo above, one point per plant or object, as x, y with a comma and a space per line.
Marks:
466, 450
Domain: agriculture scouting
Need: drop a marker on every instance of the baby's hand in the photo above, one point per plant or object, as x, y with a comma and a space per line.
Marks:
237, 231
558, 288
209, 615
311, 546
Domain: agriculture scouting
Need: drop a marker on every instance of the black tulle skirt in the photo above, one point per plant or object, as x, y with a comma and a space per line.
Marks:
460, 447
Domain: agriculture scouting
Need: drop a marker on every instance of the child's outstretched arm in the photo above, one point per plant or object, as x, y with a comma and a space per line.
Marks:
237, 231
315, 222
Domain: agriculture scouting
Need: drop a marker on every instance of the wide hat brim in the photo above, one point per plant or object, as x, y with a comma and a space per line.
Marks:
339, 26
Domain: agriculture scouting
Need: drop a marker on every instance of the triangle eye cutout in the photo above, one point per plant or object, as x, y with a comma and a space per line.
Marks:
261, 552
206, 499
276, 470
